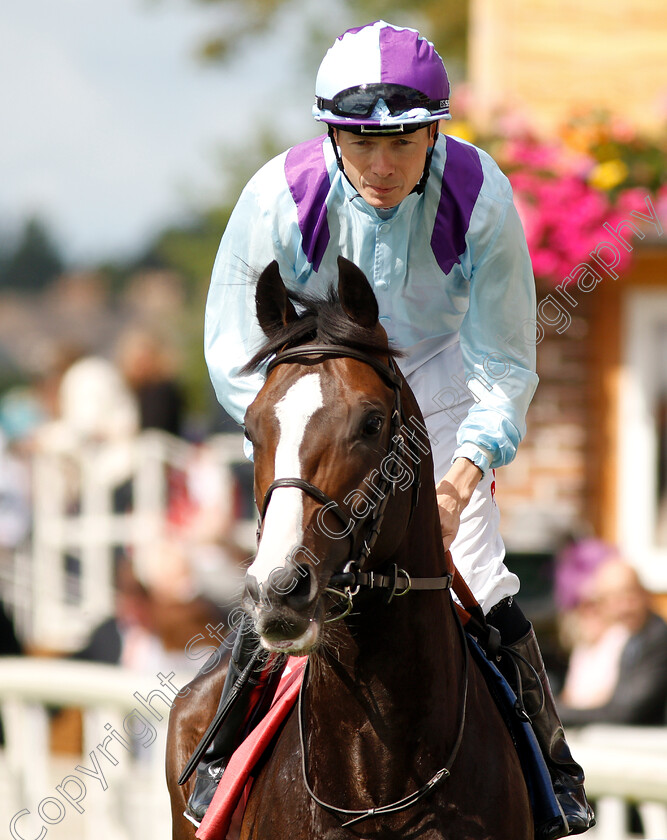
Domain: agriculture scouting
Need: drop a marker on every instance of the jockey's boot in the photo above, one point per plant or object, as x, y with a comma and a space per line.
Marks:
242, 716
567, 776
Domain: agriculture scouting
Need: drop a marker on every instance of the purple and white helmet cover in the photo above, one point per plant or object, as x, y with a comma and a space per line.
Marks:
383, 53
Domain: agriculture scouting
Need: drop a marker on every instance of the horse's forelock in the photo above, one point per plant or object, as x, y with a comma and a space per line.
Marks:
324, 320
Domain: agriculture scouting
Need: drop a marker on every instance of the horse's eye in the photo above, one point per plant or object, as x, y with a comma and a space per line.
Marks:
373, 425
246, 435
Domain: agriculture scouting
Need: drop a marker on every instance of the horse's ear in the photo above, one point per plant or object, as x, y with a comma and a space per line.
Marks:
272, 304
355, 294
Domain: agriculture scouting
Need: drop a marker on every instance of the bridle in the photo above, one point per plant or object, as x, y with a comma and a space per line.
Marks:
353, 578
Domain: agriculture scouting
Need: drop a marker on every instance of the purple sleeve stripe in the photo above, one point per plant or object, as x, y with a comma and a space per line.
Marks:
461, 183
308, 181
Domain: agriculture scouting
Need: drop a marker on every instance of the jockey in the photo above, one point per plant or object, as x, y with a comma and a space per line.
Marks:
431, 222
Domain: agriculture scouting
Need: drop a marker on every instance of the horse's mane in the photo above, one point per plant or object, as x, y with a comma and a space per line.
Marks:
322, 320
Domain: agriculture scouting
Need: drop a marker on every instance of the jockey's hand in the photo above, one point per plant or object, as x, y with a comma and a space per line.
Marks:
454, 492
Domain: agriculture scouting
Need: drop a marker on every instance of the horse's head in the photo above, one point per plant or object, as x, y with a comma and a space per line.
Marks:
325, 431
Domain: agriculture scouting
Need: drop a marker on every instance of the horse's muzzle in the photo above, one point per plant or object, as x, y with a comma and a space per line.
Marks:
283, 609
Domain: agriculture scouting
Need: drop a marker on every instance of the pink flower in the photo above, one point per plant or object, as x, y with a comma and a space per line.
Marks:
563, 214
633, 199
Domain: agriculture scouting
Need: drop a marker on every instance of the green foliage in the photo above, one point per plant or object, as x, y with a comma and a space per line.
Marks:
619, 149
34, 261
191, 250
445, 25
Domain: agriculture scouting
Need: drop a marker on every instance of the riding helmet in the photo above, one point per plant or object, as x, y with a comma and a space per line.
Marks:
381, 79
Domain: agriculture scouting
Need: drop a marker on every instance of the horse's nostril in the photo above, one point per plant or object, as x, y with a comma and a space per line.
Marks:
300, 589
252, 588
290, 586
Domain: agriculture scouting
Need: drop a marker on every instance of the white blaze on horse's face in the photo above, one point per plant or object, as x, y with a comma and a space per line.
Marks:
283, 524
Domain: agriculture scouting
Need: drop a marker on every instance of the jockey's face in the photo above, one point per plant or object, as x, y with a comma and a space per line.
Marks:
384, 170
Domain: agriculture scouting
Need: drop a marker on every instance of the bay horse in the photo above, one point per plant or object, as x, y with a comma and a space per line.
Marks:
395, 734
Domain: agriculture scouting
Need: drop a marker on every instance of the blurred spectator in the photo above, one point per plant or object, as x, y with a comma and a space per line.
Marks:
618, 667
9, 642
149, 369
114, 640
157, 616
24, 410
202, 497
180, 572
9, 646
95, 406
49, 364
21, 416
15, 504
96, 411
575, 567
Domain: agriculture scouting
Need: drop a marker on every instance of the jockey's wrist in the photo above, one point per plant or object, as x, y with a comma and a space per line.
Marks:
467, 476
460, 481
480, 457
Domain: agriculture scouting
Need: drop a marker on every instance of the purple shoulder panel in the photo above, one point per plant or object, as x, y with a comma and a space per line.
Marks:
308, 181
461, 183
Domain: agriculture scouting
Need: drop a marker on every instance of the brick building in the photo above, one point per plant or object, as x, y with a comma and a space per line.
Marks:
594, 462
552, 56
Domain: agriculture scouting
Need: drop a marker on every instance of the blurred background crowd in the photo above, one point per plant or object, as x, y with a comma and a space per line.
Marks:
80, 429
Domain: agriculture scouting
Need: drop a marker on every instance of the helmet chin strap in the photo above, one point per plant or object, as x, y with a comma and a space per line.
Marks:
339, 159
419, 187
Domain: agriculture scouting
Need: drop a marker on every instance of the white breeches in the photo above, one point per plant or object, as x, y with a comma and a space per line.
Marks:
478, 550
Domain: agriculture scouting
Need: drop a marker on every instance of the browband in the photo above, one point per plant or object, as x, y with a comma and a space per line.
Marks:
336, 350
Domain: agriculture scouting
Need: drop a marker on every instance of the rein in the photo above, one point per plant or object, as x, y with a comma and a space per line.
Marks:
355, 816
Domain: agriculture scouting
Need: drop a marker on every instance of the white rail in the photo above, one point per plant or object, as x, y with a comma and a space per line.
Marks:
625, 767
115, 789
76, 524
40, 792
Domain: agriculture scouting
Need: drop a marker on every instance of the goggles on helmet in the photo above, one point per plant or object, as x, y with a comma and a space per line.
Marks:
360, 101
